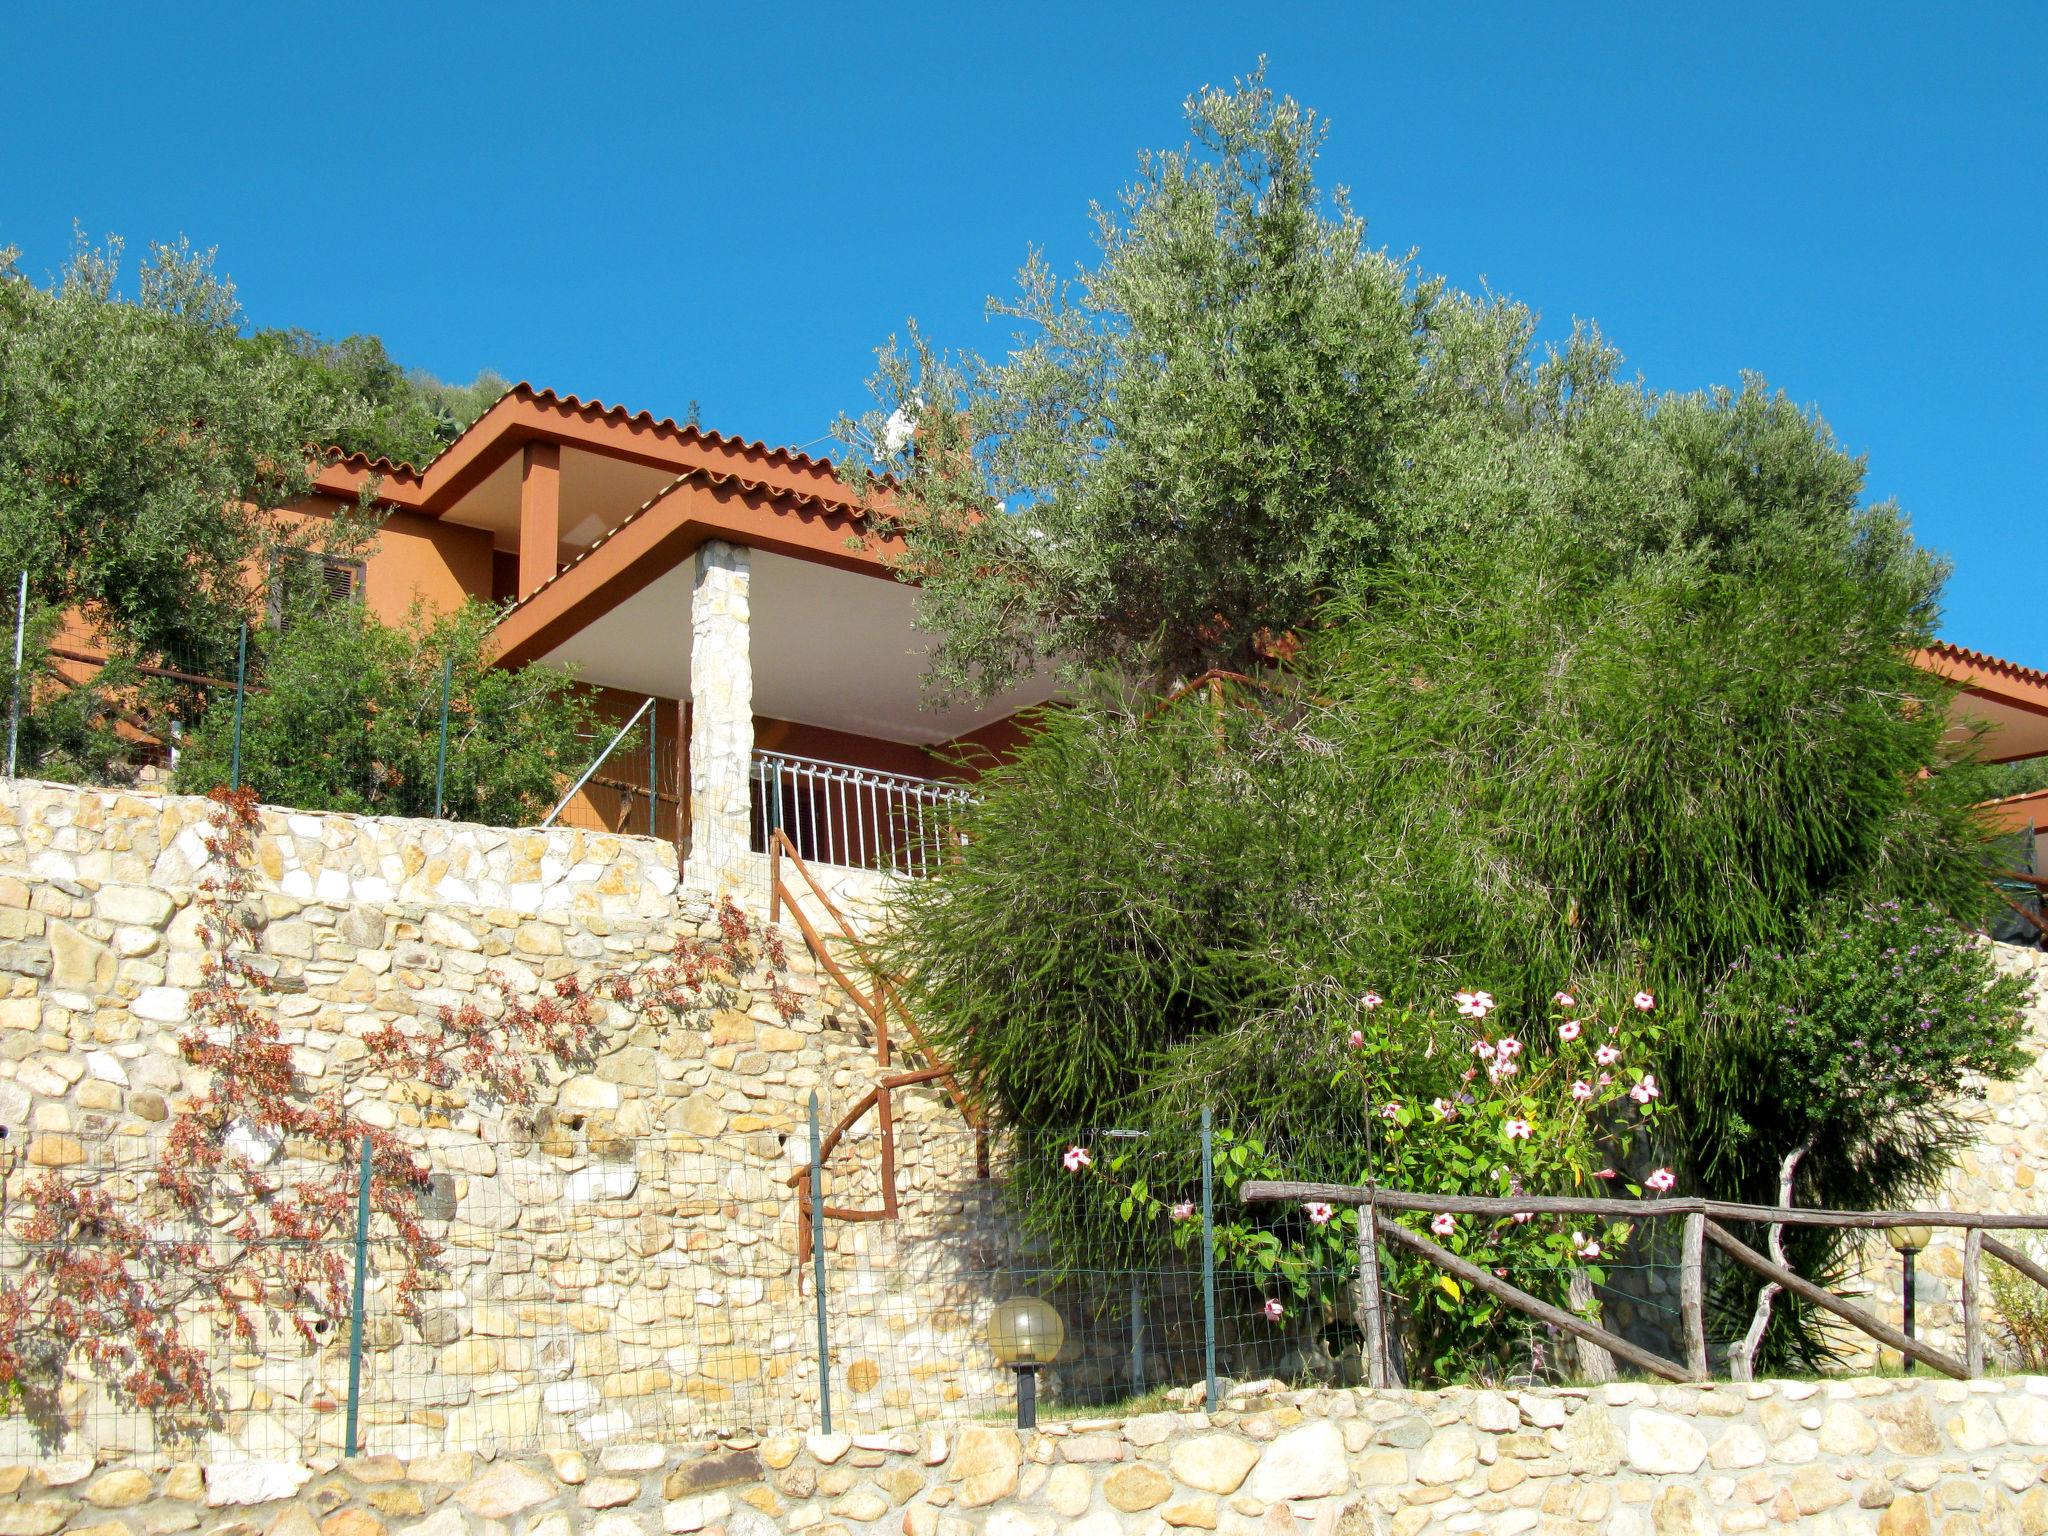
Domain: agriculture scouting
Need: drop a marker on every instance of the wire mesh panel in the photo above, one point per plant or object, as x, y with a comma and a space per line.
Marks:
581, 1285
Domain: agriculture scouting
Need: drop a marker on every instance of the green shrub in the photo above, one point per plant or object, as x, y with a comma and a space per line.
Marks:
348, 714
1854, 1041
2020, 1309
1530, 766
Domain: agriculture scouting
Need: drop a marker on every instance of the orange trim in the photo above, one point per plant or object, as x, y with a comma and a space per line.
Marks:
2014, 813
1963, 656
1988, 677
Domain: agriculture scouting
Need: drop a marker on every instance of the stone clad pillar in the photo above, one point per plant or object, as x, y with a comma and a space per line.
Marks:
721, 717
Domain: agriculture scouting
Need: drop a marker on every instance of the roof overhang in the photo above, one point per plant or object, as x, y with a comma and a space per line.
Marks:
2001, 705
832, 631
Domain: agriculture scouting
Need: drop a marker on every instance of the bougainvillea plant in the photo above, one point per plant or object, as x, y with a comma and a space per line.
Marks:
245, 1217
1457, 1104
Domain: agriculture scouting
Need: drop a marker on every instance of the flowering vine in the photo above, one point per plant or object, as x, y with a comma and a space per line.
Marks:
1451, 1104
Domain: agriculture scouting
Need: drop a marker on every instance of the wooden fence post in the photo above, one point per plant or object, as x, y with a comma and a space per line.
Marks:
1692, 1294
1372, 1317
1595, 1363
1973, 1303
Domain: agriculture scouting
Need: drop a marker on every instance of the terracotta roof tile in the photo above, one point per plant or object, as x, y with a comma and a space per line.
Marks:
1989, 663
710, 478
590, 410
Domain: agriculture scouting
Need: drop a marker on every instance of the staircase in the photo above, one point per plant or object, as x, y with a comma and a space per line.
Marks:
879, 1005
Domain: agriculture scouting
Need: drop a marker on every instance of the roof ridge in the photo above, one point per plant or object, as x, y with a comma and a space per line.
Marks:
592, 407
1995, 663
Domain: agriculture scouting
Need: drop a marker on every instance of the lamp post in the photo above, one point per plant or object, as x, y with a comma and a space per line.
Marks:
1908, 1241
1025, 1333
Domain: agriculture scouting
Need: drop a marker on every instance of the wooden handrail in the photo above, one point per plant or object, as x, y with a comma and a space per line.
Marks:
1883, 1332
875, 1005
1700, 1228
1542, 1311
2018, 1260
1629, 1210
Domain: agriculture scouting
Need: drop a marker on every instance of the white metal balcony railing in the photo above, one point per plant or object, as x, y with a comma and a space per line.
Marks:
836, 813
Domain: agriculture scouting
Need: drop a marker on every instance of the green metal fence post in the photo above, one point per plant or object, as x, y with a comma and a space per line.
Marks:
14, 705
355, 1326
1208, 1260
1137, 1333
818, 1267
441, 756
241, 686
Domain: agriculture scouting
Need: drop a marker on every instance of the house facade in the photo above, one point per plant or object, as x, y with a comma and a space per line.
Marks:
736, 597
742, 600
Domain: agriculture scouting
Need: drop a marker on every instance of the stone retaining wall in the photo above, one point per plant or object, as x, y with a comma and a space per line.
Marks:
624, 1264
67, 835
1849, 1458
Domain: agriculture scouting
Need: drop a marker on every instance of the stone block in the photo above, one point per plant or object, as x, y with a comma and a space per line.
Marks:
1134, 1489
138, 904
1303, 1463
985, 1464
1214, 1463
507, 1489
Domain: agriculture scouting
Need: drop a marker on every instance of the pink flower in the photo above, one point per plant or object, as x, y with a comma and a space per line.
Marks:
1585, 1248
1444, 1108
1273, 1310
1606, 1173
1644, 1091
1515, 1130
1318, 1212
1582, 1090
1606, 1079
1183, 1210
1370, 1001
1475, 1005
1661, 1180
1568, 1030
1470, 1073
1522, 1217
1607, 1055
1644, 1002
1444, 1225
1077, 1158
1483, 1049
1501, 1069
1509, 1046
1357, 1038
1564, 1000
1390, 1111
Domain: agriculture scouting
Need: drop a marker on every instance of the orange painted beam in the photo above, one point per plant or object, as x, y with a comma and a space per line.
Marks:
540, 515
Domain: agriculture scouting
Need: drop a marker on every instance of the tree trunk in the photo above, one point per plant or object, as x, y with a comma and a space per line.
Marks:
1742, 1358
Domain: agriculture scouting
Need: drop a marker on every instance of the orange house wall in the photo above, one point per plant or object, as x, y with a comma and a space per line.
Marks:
414, 559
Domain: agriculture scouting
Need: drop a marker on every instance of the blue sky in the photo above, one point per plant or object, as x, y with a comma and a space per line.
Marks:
655, 205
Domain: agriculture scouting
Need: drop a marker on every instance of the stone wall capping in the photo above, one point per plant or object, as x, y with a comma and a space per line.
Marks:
1661, 1474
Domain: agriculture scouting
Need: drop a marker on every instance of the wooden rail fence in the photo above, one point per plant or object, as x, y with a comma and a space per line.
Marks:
1702, 1219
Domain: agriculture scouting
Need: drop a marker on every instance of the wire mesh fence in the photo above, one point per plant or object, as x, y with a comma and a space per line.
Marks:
586, 1286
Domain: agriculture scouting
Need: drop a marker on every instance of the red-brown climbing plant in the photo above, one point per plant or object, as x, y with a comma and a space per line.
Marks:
246, 1214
